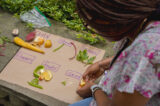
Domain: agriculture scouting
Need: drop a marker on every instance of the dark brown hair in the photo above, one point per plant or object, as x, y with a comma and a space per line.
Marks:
117, 18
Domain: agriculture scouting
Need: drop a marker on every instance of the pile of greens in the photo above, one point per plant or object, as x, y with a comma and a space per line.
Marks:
83, 57
60, 10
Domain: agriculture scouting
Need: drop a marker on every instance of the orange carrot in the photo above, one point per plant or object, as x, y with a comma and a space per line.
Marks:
24, 44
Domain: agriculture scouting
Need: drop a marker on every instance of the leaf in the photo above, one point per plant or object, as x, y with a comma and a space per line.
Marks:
1, 41
64, 83
79, 56
30, 26
90, 60
5, 39
84, 58
82, 55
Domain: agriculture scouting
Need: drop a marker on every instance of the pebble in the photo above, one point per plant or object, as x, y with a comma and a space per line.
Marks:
15, 32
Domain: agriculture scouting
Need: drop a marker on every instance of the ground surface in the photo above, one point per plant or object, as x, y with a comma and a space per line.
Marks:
13, 95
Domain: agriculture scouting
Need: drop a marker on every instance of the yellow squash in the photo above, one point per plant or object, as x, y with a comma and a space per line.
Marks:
24, 44
82, 83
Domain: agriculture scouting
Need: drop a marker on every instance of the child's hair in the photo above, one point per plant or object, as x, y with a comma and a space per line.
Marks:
118, 17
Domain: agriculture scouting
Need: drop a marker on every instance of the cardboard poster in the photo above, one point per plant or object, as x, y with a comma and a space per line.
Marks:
20, 69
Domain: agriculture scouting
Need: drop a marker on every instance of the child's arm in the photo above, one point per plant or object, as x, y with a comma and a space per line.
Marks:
120, 99
106, 62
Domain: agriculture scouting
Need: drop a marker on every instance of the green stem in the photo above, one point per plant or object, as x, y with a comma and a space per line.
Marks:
58, 48
34, 85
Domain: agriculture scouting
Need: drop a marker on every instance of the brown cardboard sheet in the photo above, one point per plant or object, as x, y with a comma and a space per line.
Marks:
20, 69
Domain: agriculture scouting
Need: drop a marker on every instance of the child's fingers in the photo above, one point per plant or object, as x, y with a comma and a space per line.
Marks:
92, 80
84, 75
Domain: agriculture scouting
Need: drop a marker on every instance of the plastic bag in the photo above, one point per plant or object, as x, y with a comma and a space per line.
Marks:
36, 17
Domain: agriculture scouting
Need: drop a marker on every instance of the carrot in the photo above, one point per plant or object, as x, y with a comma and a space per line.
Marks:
24, 44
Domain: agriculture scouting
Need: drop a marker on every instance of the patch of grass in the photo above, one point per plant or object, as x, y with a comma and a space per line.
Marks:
59, 10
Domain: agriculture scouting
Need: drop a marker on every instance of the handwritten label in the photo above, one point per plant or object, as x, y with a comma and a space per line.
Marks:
43, 34
50, 65
63, 41
25, 57
73, 74
91, 51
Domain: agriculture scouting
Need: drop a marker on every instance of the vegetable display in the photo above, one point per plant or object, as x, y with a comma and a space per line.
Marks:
24, 44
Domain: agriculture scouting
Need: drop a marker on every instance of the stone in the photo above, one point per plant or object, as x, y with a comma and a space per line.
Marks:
15, 32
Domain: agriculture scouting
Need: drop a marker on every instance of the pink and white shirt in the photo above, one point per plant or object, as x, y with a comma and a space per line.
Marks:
137, 67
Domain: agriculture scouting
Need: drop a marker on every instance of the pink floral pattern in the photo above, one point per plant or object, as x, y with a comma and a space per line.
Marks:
127, 79
149, 54
137, 67
122, 55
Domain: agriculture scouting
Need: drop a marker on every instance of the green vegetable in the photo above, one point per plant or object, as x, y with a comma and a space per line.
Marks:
58, 48
90, 60
37, 86
82, 55
64, 83
34, 83
84, 58
35, 73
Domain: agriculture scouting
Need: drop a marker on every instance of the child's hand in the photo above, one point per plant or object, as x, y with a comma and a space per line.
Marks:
85, 91
93, 72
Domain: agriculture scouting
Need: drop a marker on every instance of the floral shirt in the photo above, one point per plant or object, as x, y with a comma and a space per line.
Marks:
137, 67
